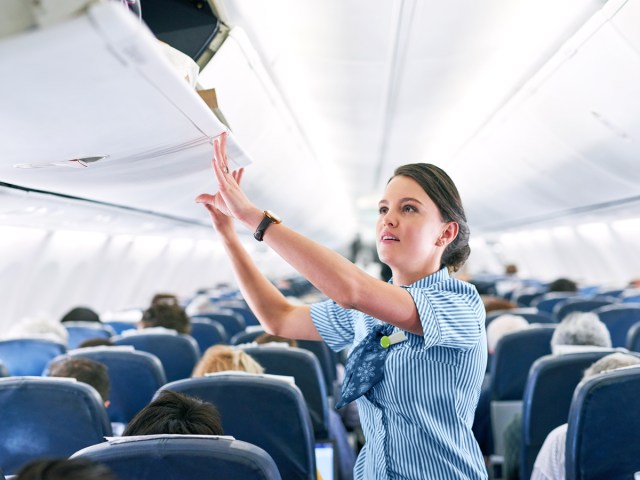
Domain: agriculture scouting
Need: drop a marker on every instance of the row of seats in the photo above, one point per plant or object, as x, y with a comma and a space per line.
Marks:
620, 319
57, 417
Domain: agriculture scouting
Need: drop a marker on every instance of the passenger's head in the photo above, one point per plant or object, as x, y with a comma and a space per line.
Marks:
84, 370
222, 358
65, 469
167, 316
268, 338
563, 285
39, 327
166, 298
177, 414
442, 191
80, 314
611, 362
502, 325
510, 269
493, 304
581, 328
96, 342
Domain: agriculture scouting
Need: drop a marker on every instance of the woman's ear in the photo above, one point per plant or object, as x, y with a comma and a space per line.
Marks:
449, 234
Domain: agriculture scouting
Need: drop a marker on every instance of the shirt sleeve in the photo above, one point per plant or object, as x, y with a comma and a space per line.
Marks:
451, 314
334, 323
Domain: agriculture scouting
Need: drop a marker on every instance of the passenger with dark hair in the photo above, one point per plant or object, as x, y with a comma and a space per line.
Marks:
84, 370
177, 414
166, 315
96, 342
563, 285
65, 469
419, 348
165, 298
80, 314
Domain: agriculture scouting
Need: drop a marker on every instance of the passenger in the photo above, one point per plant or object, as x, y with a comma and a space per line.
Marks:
550, 462
502, 325
80, 314
177, 414
65, 469
84, 370
493, 304
165, 298
221, 358
38, 326
578, 331
87, 371
435, 370
563, 285
169, 316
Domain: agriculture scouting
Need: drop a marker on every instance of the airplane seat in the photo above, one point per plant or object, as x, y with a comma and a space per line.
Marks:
525, 299
546, 302
241, 308
28, 356
81, 331
246, 336
602, 436
120, 326
270, 413
514, 355
231, 321
304, 367
208, 333
547, 397
530, 314
633, 338
47, 417
182, 457
631, 299
571, 305
328, 361
178, 353
134, 377
619, 319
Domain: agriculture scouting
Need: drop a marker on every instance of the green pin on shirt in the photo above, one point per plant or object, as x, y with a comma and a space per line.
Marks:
387, 341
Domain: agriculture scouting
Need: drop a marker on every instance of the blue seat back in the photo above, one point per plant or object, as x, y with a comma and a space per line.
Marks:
602, 437
328, 361
177, 353
571, 305
514, 355
232, 322
304, 367
81, 331
28, 356
547, 398
241, 308
182, 457
531, 315
547, 302
120, 326
633, 338
134, 375
266, 412
208, 333
619, 319
47, 417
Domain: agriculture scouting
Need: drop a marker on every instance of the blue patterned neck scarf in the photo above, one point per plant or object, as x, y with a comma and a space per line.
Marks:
365, 365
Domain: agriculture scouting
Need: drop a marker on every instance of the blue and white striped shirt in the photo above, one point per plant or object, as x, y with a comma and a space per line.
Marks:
417, 420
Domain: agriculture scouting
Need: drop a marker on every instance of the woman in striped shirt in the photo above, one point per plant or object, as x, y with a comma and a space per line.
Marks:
417, 419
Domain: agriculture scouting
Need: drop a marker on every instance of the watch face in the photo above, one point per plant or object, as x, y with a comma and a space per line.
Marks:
274, 218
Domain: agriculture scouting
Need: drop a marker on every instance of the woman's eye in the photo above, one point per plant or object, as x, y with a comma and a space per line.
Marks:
409, 208
383, 210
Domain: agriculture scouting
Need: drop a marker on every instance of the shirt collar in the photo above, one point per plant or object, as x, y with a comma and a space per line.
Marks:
439, 276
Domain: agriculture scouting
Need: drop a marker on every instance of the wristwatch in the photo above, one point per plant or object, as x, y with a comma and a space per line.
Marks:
269, 218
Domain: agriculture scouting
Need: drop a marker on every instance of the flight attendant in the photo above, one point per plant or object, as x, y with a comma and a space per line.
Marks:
417, 407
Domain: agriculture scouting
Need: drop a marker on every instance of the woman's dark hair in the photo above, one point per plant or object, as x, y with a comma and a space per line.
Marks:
177, 414
65, 469
443, 192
